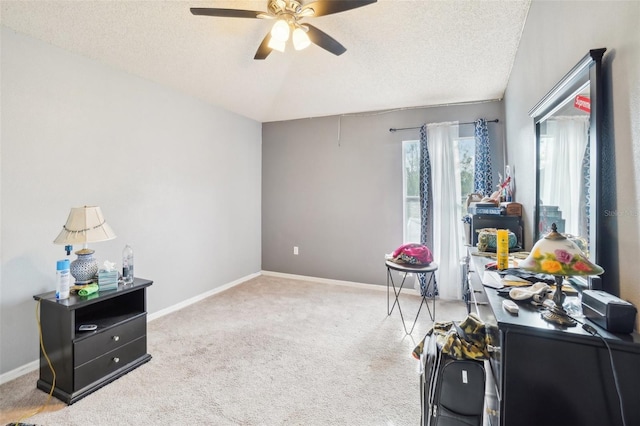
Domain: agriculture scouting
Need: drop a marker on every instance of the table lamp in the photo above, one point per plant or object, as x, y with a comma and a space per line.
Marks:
84, 225
556, 255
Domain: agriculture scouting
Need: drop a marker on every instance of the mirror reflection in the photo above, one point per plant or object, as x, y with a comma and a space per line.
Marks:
564, 175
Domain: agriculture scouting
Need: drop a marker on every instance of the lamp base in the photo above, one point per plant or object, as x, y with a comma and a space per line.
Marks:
558, 316
85, 267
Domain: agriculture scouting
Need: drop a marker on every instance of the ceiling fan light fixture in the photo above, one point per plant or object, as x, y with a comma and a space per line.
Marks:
277, 6
306, 12
300, 39
277, 45
280, 31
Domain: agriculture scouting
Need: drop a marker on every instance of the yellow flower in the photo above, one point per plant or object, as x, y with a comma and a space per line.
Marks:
536, 254
551, 266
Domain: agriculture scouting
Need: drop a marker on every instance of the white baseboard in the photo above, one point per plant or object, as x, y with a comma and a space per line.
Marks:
200, 297
20, 371
34, 365
336, 282
323, 280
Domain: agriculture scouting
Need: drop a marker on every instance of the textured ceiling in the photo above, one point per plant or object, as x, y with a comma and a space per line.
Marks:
400, 53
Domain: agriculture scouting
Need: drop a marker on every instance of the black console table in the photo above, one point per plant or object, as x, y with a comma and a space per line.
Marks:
542, 374
87, 360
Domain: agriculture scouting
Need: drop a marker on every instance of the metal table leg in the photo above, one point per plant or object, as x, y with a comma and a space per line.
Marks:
424, 299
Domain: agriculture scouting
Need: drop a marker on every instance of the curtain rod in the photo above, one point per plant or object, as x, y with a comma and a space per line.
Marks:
393, 129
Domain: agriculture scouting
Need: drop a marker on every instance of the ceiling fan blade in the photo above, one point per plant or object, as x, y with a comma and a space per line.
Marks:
225, 13
264, 49
324, 40
327, 7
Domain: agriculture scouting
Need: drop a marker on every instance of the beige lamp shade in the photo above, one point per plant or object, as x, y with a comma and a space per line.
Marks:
85, 225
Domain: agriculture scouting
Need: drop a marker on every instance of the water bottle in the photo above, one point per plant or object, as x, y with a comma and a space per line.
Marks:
127, 265
63, 276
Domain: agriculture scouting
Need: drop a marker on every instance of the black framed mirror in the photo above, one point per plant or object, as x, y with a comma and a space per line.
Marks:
568, 126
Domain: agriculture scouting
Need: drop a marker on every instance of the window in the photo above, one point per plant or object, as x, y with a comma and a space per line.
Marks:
411, 183
411, 190
467, 155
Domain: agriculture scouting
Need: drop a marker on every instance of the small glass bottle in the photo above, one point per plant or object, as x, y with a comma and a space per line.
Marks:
127, 265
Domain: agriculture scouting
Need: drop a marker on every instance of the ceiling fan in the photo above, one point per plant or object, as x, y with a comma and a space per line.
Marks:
288, 15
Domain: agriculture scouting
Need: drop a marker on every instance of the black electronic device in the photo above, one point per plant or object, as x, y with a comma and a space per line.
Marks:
608, 311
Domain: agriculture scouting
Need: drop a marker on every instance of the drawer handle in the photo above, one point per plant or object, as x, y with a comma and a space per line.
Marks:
116, 360
116, 338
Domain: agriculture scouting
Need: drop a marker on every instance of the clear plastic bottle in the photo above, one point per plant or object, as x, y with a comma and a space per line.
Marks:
127, 265
63, 276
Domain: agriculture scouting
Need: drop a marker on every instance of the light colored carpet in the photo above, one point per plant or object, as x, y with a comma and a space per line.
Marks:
271, 351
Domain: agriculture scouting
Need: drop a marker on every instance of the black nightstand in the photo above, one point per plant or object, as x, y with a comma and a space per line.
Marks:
84, 361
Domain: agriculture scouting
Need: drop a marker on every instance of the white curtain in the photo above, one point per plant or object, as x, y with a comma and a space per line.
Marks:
565, 149
442, 140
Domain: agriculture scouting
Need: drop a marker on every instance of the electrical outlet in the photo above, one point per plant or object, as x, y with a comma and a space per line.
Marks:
295, 250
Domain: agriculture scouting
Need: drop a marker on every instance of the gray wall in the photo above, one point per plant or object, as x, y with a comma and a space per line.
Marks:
556, 35
176, 178
333, 187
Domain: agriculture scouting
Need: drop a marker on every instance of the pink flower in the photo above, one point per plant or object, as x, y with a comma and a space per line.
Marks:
563, 256
581, 266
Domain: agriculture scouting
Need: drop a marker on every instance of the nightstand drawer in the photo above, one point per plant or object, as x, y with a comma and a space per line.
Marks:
91, 347
108, 363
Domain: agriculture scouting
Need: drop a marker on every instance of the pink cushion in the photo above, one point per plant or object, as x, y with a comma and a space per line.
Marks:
413, 253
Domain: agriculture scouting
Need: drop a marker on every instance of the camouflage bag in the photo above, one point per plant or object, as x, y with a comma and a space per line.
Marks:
466, 340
